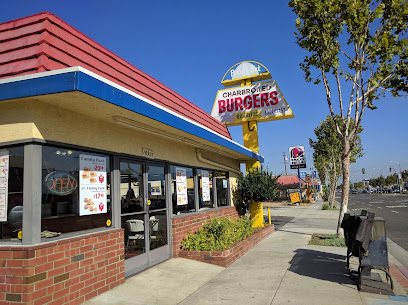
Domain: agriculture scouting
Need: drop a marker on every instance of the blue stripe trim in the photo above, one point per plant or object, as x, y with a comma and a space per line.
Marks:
79, 81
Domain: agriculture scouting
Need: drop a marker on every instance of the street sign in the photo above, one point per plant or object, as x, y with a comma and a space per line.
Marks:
304, 174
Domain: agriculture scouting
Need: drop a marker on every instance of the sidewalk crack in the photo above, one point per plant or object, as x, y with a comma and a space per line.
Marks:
277, 289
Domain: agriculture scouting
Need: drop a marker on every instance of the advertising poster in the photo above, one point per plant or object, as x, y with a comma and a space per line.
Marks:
181, 183
205, 179
155, 188
92, 182
4, 169
294, 197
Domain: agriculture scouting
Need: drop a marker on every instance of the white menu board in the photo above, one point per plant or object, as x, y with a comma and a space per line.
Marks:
4, 170
181, 182
92, 185
205, 180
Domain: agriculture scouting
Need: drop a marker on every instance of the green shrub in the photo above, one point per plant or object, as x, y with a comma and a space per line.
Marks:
258, 185
218, 234
325, 206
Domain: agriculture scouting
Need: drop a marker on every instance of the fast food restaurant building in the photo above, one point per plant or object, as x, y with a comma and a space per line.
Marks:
103, 169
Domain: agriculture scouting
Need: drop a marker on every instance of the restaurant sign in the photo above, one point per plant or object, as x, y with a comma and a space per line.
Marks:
60, 183
244, 70
297, 157
258, 102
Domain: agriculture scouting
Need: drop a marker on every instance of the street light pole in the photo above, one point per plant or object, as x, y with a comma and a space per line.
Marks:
399, 177
284, 161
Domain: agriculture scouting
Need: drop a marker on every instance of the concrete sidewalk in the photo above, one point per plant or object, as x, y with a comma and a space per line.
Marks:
281, 269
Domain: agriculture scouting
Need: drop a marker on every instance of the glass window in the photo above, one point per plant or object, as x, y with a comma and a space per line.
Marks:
134, 235
182, 190
75, 192
131, 187
221, 182
158, 229
205, 181
156, 187
11, 192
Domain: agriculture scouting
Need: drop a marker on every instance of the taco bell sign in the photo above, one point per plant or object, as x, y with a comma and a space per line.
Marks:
297, 157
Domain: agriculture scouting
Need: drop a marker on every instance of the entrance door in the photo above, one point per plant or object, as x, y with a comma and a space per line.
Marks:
144, 214
157, 213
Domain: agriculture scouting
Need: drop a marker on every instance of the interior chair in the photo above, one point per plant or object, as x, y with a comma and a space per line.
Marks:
154, 227
135, 229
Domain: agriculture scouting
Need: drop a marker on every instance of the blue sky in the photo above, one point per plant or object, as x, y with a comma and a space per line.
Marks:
189, 45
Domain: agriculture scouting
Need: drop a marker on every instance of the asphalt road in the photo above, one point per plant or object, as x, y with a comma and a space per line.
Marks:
393, 208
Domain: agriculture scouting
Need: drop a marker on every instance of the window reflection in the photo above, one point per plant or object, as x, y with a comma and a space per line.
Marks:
156, 187
60, 205
131, 187
11, 191
205, 181
182, 189
221, 182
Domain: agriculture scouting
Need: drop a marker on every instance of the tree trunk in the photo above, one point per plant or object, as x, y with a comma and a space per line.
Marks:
330, 194
333, 184
345, 165
333, 195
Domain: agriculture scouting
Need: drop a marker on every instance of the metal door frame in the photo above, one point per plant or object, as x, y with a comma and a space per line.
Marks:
150, 257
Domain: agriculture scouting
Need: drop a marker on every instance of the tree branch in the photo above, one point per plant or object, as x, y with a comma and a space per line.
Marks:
340, 95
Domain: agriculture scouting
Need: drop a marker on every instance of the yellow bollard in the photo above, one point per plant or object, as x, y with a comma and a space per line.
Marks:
269, 214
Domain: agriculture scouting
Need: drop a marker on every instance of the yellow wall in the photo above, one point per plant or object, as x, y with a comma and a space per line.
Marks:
16, 122
32, 118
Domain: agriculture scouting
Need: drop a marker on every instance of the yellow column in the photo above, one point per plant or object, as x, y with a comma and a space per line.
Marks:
250, 134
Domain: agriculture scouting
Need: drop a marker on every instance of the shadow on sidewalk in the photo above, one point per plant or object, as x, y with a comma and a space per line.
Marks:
321, 265
278, 221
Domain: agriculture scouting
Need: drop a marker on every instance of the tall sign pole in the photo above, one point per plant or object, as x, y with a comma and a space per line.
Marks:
297, 160
250, 135
247, 104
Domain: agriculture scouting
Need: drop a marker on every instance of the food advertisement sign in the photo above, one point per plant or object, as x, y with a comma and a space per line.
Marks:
92, 182
294, 197
181, 182
258, 102
205, 179
4, 170
297, 157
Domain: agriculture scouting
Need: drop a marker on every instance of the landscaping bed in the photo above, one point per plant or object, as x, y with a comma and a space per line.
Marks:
227, 257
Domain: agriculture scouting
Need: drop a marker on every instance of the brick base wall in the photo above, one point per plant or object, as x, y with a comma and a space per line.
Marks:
182, 226
227, 257
68, 271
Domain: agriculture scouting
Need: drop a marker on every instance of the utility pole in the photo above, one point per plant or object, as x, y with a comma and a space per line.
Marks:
284, 161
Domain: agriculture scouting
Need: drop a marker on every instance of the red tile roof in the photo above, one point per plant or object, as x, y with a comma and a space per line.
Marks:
290, 181
43, 42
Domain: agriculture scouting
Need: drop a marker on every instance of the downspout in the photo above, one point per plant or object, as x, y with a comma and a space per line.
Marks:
204, 160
